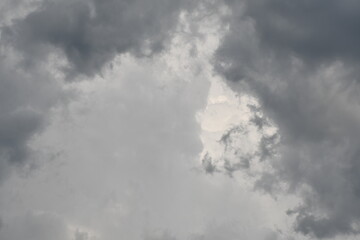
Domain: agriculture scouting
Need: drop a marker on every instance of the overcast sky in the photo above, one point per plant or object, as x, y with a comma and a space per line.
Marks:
179, 119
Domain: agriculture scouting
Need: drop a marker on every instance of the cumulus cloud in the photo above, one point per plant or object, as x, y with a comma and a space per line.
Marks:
299, 59
37, 36
130, 148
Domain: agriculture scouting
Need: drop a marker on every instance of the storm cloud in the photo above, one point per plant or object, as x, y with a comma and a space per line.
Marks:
91, 33
300, 60
131, 139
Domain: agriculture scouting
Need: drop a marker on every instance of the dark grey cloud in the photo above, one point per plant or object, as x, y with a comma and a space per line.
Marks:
92, 33
25, 101
208, 164
316, 30
236, 154
300, 59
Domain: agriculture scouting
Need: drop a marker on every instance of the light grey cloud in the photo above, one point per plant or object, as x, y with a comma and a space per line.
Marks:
159, 236
88, 33
234, 230
156, 128
130, 146
34, 226
299, 59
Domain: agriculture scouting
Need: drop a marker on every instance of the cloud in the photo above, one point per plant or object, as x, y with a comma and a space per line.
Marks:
328, 32
91, 33
299, 59
36, 37
232, 231
35, 226
160, 236
130, 147
26, 98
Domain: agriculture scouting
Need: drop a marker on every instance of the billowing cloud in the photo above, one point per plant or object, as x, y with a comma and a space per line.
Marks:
91, 33
25, 100
130, 147
128, 168
299, 59
317, 31
39, 38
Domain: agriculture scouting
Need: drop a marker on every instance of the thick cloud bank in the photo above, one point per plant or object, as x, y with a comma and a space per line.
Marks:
91, 33
127, 166
300, 59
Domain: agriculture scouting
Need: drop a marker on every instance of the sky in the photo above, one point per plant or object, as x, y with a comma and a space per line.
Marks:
179, 120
